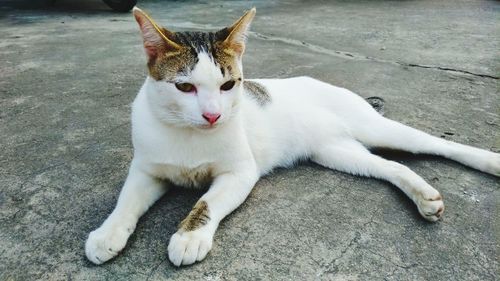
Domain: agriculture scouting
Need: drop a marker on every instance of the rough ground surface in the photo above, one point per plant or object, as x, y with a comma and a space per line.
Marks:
69, 73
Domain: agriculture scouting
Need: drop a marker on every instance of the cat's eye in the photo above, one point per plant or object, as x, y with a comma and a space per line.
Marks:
228, 85
185, 87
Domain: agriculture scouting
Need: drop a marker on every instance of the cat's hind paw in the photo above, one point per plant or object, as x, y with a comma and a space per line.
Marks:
188, 247
431, 207
104, 244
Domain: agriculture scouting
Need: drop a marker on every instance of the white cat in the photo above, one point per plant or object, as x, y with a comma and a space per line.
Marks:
196, 121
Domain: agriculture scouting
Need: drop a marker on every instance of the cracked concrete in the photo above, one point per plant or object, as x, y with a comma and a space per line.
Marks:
355, 56
69, 73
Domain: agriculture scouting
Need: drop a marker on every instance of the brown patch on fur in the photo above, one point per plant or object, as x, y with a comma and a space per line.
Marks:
227, 59
197, 218
198, 177
257, 91
168, 65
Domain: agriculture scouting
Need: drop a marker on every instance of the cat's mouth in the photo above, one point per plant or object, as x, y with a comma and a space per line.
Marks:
208, 127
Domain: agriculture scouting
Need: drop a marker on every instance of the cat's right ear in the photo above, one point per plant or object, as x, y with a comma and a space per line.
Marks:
238, 32
156, 39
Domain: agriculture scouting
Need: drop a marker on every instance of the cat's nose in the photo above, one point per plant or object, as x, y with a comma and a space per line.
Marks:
211, 117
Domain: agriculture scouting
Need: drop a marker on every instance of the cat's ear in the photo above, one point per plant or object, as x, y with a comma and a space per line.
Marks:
238, 33
156, 39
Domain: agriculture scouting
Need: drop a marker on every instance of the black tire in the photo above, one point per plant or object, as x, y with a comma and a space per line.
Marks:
121, 5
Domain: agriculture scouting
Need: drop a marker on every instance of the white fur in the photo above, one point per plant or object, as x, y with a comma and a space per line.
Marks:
306, 119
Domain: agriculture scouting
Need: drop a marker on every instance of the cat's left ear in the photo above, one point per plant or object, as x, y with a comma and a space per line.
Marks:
238, 33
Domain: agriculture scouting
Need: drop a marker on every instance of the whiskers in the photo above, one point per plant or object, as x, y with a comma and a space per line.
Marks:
180, 119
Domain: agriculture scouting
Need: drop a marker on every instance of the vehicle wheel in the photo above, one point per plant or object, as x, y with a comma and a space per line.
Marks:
121, 5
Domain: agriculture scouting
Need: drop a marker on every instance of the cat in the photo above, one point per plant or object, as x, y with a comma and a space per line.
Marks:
197, 122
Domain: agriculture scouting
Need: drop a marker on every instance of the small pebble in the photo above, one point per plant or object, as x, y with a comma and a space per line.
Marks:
382, 48
465, 192
477, 200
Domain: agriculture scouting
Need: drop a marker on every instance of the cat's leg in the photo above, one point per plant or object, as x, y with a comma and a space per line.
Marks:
139, 192
352, 157
386, 133
193, 240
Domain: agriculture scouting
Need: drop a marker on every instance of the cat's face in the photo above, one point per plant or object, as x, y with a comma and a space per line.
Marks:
195, 77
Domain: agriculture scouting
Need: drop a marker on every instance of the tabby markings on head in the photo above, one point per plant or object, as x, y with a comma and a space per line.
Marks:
172, 54
181, 62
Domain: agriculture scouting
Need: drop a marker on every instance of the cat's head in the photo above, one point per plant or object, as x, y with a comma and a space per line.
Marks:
196, 78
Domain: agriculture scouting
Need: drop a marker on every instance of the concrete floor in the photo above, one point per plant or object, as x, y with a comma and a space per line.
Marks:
69, 73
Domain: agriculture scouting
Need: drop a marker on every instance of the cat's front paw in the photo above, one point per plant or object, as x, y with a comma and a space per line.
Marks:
187, 247
105, 243
431, 206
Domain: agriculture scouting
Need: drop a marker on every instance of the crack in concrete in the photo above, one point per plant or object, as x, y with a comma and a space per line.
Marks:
155, 268
331, 267
406, 267
356, 56
449, 69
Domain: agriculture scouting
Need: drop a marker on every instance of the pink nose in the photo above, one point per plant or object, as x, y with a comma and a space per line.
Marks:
211, 117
